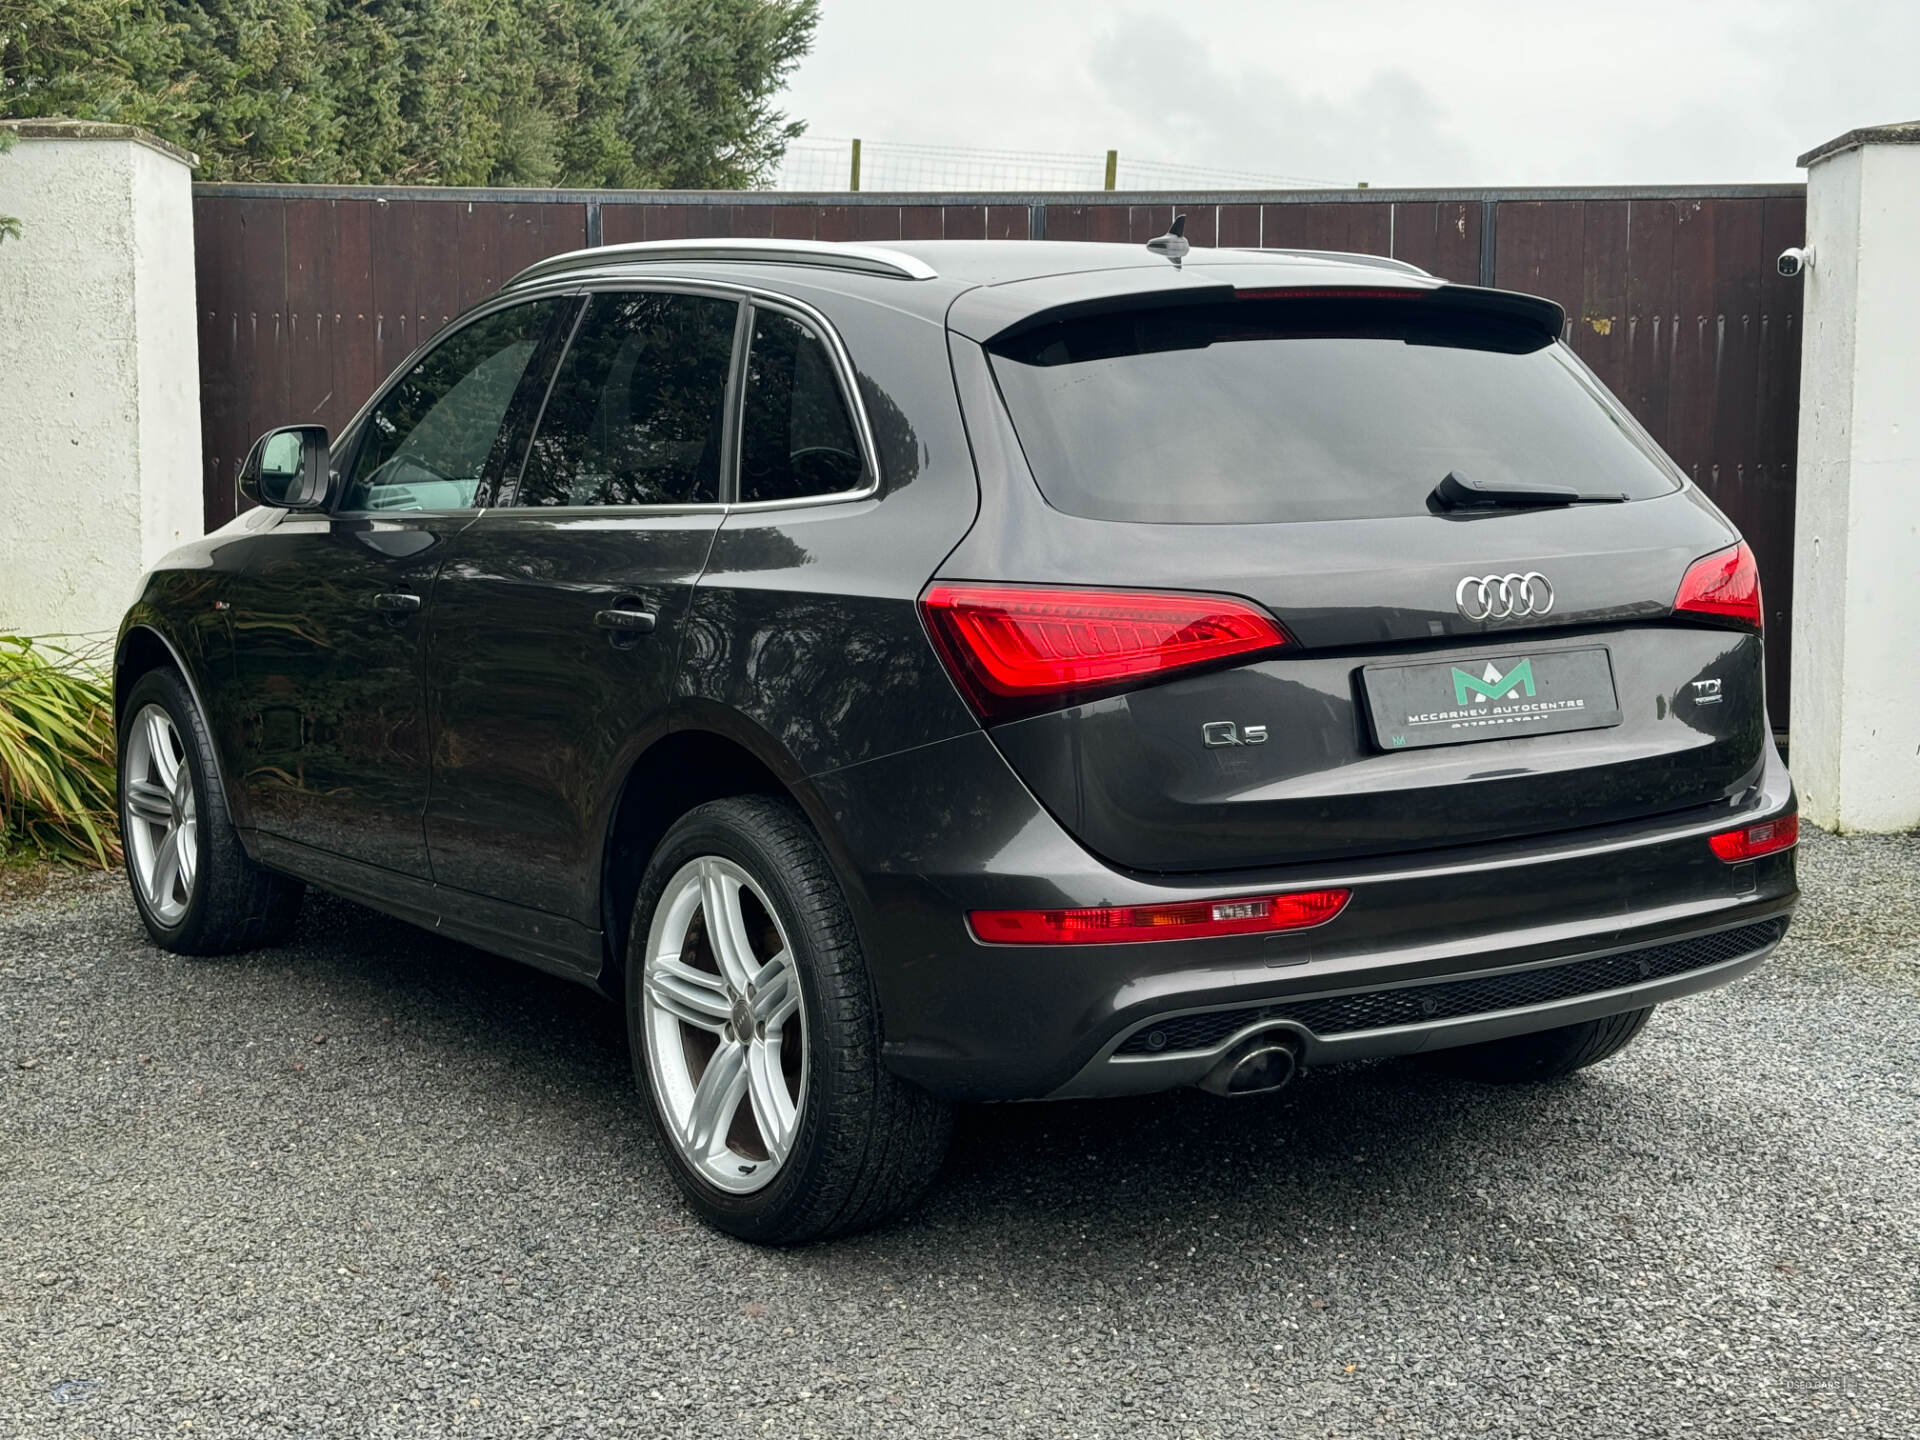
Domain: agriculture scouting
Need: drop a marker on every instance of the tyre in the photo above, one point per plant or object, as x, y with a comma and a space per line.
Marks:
756, 1037
196, 889
1545, 1054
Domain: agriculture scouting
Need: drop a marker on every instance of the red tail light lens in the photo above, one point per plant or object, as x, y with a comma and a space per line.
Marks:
1753, 841
1725, 585
1192, 920
1014, 649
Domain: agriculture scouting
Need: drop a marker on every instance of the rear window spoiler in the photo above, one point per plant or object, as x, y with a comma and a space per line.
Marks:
998, 313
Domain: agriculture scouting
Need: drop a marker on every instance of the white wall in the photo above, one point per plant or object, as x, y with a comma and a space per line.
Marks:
99, 373
1856, 661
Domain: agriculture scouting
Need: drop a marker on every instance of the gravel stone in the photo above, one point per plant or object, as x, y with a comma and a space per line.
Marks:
378, 1184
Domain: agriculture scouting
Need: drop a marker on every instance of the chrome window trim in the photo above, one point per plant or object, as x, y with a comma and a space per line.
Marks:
754, 296
574, 285
849, 386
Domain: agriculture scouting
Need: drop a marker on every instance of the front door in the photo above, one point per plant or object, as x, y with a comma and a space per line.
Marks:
558, 618
330, 614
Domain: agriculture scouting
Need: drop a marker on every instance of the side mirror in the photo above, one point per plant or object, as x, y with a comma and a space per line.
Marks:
287, 468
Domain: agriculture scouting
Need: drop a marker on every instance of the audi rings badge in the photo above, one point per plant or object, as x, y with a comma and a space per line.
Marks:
1503, 597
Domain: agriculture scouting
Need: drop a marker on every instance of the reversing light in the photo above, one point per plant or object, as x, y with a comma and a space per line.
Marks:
1724, 586
1750, 842
1015, 649
1188, 920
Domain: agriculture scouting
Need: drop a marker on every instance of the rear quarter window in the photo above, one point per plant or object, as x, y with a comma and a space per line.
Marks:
1254, 411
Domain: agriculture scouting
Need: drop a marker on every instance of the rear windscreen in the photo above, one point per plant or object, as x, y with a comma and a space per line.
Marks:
1251, 411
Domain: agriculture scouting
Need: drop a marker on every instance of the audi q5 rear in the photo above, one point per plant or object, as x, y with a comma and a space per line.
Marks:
1064, 671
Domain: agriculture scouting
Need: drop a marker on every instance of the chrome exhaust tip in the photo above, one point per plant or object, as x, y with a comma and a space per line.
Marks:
1258, 1065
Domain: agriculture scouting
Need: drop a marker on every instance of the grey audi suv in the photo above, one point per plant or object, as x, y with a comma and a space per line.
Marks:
974, 672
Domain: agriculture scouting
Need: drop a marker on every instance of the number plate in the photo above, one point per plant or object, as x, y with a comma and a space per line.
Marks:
1539, 692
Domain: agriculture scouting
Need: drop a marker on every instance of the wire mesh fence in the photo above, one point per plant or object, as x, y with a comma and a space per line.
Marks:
818, 163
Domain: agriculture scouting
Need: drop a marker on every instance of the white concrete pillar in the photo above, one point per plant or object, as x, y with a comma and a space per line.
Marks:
99, 371
1856, 569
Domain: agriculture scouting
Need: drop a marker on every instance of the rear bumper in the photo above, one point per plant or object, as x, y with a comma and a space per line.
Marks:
1180, 1048
1543, 932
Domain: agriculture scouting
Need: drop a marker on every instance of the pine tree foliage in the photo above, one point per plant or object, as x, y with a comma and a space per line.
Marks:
624, 93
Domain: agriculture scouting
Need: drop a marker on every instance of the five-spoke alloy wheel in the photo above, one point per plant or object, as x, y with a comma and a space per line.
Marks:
726, 1030
756, 1036
161, 825
194, 884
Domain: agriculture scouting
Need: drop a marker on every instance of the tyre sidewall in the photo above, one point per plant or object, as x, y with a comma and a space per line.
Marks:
765, 1213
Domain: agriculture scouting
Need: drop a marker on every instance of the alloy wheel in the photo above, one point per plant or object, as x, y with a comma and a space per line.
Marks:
725, 1027
161, 816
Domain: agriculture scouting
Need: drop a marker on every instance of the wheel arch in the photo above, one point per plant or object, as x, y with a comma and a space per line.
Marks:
144, 647
711, 754
141, 648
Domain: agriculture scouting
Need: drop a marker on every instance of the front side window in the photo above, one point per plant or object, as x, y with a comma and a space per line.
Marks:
634, 417
427, 443
796, 437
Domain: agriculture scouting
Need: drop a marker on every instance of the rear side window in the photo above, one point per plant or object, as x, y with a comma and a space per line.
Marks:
634, 417
796, 437
1274, 410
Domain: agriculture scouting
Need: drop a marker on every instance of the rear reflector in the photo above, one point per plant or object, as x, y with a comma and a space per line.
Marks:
1192, 920
1015, 649
1724, 585
1754, 841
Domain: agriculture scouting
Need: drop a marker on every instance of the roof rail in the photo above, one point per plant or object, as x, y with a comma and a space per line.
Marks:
1381, 262
830, 255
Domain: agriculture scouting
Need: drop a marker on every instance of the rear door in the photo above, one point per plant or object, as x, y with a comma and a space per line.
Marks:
1448, 675
559, 616
329, 617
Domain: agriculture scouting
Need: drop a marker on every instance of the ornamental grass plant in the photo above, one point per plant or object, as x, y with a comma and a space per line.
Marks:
56, 755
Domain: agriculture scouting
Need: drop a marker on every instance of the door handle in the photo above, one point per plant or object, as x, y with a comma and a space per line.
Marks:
625, 622
397, 604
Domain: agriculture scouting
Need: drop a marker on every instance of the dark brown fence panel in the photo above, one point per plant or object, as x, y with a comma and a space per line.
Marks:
1676, 305
309, 295
307, 301
1365, 227
1442, 237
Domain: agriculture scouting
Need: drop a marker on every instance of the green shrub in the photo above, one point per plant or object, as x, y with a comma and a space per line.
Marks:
56, 755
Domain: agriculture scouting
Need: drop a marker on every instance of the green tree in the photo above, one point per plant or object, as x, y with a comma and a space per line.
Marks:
700, 108
645, 93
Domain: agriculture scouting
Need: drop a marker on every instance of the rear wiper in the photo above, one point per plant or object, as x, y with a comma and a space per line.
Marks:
1456, 492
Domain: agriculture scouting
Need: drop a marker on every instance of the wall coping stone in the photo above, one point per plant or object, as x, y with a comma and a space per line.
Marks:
1906, 132
59, 128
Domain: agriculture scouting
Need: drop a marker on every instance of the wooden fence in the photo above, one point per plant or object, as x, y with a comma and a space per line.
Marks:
309, 295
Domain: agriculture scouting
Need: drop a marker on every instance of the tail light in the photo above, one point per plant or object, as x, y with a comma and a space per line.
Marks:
1724, 585
1750, 842
1189, 920
1016, 649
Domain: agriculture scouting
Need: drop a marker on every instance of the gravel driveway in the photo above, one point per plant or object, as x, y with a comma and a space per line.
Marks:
380, 1184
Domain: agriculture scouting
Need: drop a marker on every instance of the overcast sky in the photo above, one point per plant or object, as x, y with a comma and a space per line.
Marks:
1460, 92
